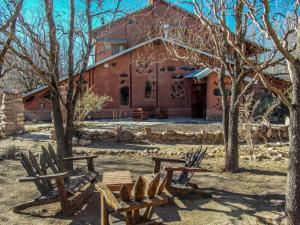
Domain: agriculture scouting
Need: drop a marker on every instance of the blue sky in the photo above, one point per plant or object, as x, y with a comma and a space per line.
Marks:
31, 7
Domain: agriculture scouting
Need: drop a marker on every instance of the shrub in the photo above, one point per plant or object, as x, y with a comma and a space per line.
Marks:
10, 152
88, 103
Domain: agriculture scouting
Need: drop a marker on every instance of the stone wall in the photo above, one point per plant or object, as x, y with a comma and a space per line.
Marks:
259, 134
11, 113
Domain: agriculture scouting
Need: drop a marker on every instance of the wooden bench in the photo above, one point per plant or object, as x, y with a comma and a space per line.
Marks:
69, 188
136, 207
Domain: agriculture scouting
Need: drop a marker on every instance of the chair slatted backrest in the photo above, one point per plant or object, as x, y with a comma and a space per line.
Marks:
33, 169
50, 160
193, 160
141, 190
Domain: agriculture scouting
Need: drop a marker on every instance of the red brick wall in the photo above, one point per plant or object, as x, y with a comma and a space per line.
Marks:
105, 79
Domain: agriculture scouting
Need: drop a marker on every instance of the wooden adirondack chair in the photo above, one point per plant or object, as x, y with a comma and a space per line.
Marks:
70, 190
136, 207
182, 185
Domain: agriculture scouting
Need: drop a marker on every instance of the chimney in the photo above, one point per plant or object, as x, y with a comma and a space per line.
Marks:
152, 2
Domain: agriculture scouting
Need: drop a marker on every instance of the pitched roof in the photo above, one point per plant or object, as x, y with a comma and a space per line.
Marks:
159, 38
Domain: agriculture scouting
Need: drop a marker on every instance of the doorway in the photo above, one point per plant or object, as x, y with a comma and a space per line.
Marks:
198, 100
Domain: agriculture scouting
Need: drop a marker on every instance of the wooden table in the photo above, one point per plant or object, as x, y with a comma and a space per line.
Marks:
115, 179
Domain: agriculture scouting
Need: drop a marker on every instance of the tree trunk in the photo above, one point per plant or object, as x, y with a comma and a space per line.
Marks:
225, 106
232, 153
293, 178
58, 124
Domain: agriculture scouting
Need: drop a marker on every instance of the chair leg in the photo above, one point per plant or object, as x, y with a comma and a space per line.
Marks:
104, 211
35, 202
129, 218
25, 205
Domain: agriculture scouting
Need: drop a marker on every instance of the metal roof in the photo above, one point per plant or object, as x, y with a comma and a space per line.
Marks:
199, 74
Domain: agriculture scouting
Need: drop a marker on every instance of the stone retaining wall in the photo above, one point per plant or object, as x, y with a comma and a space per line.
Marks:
259, 134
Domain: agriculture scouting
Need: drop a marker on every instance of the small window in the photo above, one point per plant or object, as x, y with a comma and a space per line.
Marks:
114, 64
171, 68
217, 92
163, 69
42, 105
117, 48
148, 89
150, 71
106, 47
187, 68
124, 95
123, 75
30, 99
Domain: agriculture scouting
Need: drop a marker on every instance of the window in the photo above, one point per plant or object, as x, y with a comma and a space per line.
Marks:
114, 64
163, 69
106, 47
47, 96
171, 68
124, 95
217, 92
123, 75
42, 105
187, 68
148, 89
29, 99
117, 48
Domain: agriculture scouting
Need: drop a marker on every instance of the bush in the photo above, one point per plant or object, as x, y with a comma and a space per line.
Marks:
88, 103
10, 152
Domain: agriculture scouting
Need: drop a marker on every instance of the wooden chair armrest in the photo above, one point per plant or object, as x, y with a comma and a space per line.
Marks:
44, 177
80, 157
157, 200
168, 160
122, 206
188, 169
110, 199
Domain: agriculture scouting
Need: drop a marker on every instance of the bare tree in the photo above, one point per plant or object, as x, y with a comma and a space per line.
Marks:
61, 50
9, 13
210, 33
282, 28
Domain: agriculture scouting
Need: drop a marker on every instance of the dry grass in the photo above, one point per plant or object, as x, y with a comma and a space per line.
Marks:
255, 196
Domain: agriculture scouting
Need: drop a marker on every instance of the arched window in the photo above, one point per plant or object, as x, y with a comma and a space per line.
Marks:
124, 95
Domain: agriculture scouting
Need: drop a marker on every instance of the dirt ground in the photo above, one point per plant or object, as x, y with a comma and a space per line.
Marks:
254, 196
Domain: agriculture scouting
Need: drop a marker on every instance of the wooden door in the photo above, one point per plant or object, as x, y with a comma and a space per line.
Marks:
198, 100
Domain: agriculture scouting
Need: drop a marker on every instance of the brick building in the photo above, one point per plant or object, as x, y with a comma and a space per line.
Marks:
133, 66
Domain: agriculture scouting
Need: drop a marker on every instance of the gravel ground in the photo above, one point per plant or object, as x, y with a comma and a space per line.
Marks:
178, 124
